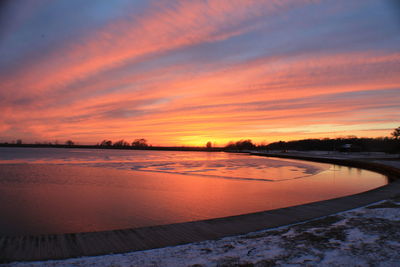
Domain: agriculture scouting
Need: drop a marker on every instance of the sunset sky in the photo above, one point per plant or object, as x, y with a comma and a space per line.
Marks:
188, 72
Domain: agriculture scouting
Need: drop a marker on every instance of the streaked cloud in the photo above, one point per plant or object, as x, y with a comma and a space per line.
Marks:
184, 72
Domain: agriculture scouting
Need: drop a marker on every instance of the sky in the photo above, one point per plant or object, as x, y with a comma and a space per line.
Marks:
188, 72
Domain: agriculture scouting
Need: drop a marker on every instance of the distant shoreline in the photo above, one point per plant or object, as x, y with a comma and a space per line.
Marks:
351, 144
161, 148
391, 172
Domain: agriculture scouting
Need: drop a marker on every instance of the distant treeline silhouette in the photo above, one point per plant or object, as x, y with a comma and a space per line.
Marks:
241, 145
137, 143
348, 144
351, 144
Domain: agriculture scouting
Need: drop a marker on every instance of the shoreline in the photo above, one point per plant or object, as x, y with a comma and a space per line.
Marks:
63, 246
363, 163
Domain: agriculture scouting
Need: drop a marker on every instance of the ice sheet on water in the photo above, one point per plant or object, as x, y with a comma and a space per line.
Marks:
206, 164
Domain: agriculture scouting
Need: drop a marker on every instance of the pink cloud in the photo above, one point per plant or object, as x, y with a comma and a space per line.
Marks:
82, 89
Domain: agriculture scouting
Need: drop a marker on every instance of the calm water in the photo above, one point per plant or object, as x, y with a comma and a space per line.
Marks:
44, 190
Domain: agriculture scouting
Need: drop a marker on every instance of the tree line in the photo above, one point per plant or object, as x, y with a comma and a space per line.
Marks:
137, 143
350, 144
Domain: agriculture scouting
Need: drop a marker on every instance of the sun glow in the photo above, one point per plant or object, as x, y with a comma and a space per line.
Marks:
186, 73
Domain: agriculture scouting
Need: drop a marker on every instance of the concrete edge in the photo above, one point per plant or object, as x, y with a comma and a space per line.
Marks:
62, 246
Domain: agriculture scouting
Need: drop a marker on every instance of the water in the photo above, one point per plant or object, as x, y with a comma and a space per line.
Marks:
48, 191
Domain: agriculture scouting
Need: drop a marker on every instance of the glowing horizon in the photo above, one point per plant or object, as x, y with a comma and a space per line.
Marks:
189, 72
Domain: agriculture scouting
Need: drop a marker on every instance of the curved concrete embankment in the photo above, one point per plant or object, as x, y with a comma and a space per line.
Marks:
42, 247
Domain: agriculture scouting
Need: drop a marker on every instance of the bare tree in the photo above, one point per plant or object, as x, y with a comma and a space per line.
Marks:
396, 133
241, 145
106, 143
121, 143
209, 145
69, 143
140, 143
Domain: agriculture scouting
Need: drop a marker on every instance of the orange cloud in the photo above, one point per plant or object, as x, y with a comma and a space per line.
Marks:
137, 77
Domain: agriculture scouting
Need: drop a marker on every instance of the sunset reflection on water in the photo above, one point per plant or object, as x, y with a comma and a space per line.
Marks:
64, 198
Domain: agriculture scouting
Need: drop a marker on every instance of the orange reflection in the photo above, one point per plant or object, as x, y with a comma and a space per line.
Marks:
95, 199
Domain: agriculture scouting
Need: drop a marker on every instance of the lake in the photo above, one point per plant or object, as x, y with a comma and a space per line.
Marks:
51, 190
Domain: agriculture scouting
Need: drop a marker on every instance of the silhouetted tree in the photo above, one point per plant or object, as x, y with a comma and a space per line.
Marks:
140, 143
19, 142
121, 143
241, 145
106, 143
69, 143
396, 133
209, 145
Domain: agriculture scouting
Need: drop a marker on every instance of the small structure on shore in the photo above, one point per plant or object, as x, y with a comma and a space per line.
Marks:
350, 148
